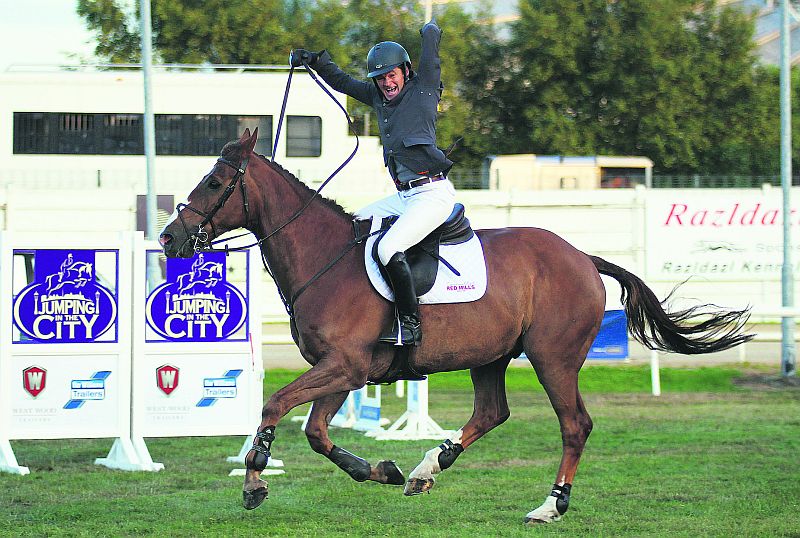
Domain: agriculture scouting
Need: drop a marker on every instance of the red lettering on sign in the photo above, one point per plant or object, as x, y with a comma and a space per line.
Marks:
672, 213
732, 215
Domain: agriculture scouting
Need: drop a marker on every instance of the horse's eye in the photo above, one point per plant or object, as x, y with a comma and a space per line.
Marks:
214, 184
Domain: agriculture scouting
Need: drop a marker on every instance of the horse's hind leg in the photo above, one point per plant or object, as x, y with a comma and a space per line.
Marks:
558, 374
490, 410
385, 472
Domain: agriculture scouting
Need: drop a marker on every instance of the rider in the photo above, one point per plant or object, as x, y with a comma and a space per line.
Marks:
405, 103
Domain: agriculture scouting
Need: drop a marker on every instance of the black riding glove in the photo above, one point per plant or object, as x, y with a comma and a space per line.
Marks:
298, 56
432, 22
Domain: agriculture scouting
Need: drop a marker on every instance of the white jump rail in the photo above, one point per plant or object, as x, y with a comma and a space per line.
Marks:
415, 423
772, 335
762, 336
275, 330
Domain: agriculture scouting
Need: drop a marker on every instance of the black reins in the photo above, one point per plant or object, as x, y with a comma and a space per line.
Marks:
200, 237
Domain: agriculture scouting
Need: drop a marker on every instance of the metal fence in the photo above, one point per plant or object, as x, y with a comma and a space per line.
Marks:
479, 179
717, 181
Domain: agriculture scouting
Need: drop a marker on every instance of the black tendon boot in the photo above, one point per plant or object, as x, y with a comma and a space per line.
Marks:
405, 299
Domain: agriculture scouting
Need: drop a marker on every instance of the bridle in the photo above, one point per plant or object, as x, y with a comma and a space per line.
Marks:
202, 243
200, 237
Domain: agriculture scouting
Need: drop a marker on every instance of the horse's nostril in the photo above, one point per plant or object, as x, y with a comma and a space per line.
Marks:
164, 239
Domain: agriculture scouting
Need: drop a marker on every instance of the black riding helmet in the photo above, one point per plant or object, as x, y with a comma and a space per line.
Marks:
384, 57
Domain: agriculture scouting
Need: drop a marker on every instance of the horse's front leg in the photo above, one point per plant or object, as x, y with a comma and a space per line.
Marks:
325, 378
385, 472
490, 410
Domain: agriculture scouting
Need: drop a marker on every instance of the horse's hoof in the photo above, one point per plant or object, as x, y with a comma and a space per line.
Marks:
392, 472
541, 520
254, 498
546, 513
415, 486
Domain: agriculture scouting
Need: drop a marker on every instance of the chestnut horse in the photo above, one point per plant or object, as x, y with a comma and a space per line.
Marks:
544, 297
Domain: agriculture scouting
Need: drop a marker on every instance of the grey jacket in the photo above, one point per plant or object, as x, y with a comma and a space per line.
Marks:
408, 122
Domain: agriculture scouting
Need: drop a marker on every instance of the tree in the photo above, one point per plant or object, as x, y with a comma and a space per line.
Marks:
741, 98
673, 80
117, 39
463, 51
667, 79
190, 31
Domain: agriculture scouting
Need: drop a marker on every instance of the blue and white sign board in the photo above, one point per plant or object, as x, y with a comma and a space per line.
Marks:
612, 340
368, 409
197, 302
415, 423
360, 411
197, 368
64, 339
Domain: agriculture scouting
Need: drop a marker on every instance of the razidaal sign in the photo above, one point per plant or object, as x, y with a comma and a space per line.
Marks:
729, 236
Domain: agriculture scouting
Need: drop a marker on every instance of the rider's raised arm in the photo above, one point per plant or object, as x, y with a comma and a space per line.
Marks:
342, 82
430, 69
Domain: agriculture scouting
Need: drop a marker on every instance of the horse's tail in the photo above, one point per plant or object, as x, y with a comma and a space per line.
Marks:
654, 327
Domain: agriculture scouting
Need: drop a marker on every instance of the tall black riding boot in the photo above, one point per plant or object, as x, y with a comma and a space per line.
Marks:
405, 299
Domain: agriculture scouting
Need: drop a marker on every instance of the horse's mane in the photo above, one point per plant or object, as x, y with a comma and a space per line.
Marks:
232, 150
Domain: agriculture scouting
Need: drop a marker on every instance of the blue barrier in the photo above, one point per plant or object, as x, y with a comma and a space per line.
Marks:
612, 340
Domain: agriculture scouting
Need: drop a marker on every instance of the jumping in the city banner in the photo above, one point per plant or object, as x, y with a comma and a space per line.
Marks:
196, 303
65, 303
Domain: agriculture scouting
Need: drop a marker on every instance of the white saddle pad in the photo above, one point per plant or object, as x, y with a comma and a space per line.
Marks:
467, 258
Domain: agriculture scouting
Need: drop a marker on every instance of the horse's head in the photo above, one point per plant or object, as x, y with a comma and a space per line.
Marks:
215, 206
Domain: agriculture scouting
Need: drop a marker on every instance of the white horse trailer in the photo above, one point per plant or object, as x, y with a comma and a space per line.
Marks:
83, 129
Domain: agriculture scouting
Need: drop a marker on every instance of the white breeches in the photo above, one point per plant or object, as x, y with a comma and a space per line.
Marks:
421, 210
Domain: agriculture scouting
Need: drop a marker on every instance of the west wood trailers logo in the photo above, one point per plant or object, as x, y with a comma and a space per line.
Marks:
215, 388
64, 303
167, 378
34, 380
196, 303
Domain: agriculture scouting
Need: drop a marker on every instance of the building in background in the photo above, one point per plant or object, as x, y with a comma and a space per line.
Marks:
559, 172
68, 129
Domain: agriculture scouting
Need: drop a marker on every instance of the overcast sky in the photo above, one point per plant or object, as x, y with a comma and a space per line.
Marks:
41, 32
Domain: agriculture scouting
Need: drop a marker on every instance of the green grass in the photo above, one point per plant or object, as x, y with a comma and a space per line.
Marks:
705, 459
614, 379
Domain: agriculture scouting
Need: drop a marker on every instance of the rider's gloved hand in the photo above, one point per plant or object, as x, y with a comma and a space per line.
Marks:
429, 24
298, 56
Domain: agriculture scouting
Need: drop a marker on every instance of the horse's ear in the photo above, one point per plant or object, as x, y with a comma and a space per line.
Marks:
250, 143
245, 136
